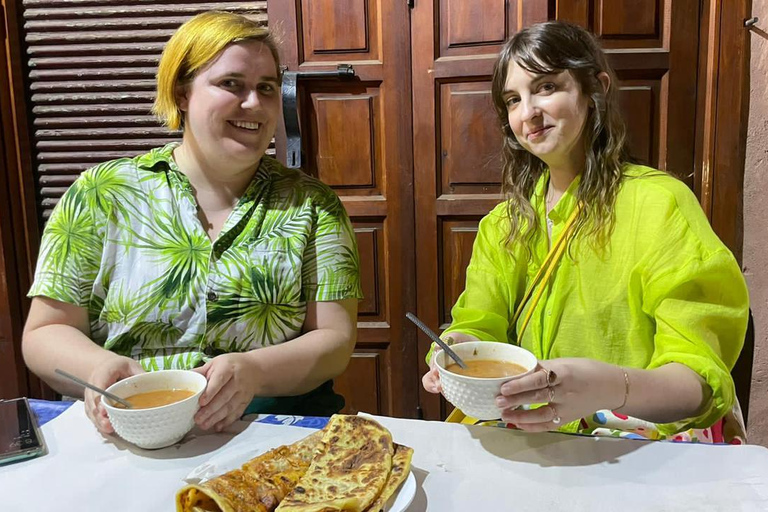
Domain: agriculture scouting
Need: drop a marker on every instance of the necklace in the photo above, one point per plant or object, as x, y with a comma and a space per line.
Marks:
550, 199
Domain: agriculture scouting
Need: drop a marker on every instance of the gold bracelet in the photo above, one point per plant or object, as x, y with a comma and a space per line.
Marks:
626, 389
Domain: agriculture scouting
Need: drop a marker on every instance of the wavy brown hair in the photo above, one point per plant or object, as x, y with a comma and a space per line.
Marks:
553, 47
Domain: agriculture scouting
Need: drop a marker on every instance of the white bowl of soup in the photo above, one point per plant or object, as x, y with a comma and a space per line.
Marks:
164, 407
490, 364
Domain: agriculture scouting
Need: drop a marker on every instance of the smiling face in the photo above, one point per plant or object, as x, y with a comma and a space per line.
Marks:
231, 107
547, 114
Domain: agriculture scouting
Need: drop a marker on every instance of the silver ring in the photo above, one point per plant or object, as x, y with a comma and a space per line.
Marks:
556, 420
551, 378
551, 390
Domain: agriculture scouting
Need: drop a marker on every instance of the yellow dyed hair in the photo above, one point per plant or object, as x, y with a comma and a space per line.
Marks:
195, 44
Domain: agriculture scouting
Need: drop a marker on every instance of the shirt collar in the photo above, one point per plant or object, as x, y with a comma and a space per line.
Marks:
161, 160
161, 155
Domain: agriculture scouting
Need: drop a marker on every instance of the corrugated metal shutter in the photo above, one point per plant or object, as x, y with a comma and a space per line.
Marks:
92, 79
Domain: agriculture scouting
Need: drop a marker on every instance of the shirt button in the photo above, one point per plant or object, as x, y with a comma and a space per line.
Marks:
212, 297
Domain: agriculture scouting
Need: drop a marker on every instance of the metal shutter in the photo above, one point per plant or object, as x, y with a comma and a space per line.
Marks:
92, 81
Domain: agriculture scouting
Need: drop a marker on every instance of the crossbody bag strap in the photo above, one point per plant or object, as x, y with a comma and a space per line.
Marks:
544, 274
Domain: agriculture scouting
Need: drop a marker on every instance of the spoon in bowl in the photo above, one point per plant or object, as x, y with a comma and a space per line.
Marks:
88, 385
434, 337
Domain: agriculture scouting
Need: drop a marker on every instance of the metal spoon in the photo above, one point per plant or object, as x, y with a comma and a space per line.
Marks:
436, 339
88, 385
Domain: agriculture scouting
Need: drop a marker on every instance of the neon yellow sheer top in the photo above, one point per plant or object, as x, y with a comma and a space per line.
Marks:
664, 290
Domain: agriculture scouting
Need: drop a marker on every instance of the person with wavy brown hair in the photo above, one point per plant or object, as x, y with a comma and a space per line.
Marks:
606, 270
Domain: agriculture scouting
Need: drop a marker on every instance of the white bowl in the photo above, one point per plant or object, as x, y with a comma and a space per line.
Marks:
476, 396
157, 427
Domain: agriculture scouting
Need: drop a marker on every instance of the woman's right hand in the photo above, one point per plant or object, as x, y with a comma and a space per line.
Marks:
106, 374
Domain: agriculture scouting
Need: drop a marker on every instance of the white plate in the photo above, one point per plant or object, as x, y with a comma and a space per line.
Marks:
404, 495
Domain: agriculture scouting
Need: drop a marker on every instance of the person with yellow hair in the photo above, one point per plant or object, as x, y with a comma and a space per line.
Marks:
205, 254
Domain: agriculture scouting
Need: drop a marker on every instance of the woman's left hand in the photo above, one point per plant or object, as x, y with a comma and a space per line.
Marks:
572, 389
231, 385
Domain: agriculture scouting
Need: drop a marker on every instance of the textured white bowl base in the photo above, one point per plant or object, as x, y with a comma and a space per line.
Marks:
156, 428
474, 400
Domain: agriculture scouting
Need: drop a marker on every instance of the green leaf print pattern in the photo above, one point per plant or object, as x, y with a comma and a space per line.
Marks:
259, 301
126, 243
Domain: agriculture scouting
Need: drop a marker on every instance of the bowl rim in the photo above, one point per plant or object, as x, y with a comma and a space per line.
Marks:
121, 410
489, 379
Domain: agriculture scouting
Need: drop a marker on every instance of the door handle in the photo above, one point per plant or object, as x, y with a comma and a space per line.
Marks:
290, 106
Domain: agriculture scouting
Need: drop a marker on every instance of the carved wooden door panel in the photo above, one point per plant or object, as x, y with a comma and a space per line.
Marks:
456, 139
356, 137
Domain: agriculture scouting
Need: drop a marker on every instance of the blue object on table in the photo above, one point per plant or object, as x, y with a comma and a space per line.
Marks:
295, 421
46, 410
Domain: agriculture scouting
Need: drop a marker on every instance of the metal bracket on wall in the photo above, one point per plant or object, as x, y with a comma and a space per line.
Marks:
290, 104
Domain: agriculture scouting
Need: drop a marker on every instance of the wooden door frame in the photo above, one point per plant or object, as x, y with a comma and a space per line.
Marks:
21, 245
14, 382
722, 117
721, 140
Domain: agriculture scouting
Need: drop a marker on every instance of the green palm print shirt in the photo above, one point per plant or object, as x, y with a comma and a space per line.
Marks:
126, 243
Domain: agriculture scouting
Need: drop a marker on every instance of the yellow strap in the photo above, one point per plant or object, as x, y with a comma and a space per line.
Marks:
457, 416
545, 273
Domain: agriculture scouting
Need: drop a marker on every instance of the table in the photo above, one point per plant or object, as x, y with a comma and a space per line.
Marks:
457, 467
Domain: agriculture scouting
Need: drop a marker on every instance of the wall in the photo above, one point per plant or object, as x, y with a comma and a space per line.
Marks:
756, 222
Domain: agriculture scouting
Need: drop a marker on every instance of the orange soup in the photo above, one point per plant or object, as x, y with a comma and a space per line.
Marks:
157, 398
487, 368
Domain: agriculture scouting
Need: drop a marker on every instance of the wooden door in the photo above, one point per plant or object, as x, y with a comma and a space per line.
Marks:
356, 137
653, 46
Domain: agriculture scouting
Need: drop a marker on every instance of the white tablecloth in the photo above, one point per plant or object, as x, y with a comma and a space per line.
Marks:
456, 468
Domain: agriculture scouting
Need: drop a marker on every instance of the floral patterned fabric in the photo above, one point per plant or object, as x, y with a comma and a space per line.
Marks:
728, 430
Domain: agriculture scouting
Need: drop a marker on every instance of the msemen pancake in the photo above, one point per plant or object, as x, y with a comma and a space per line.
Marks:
258, 486
351, 466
